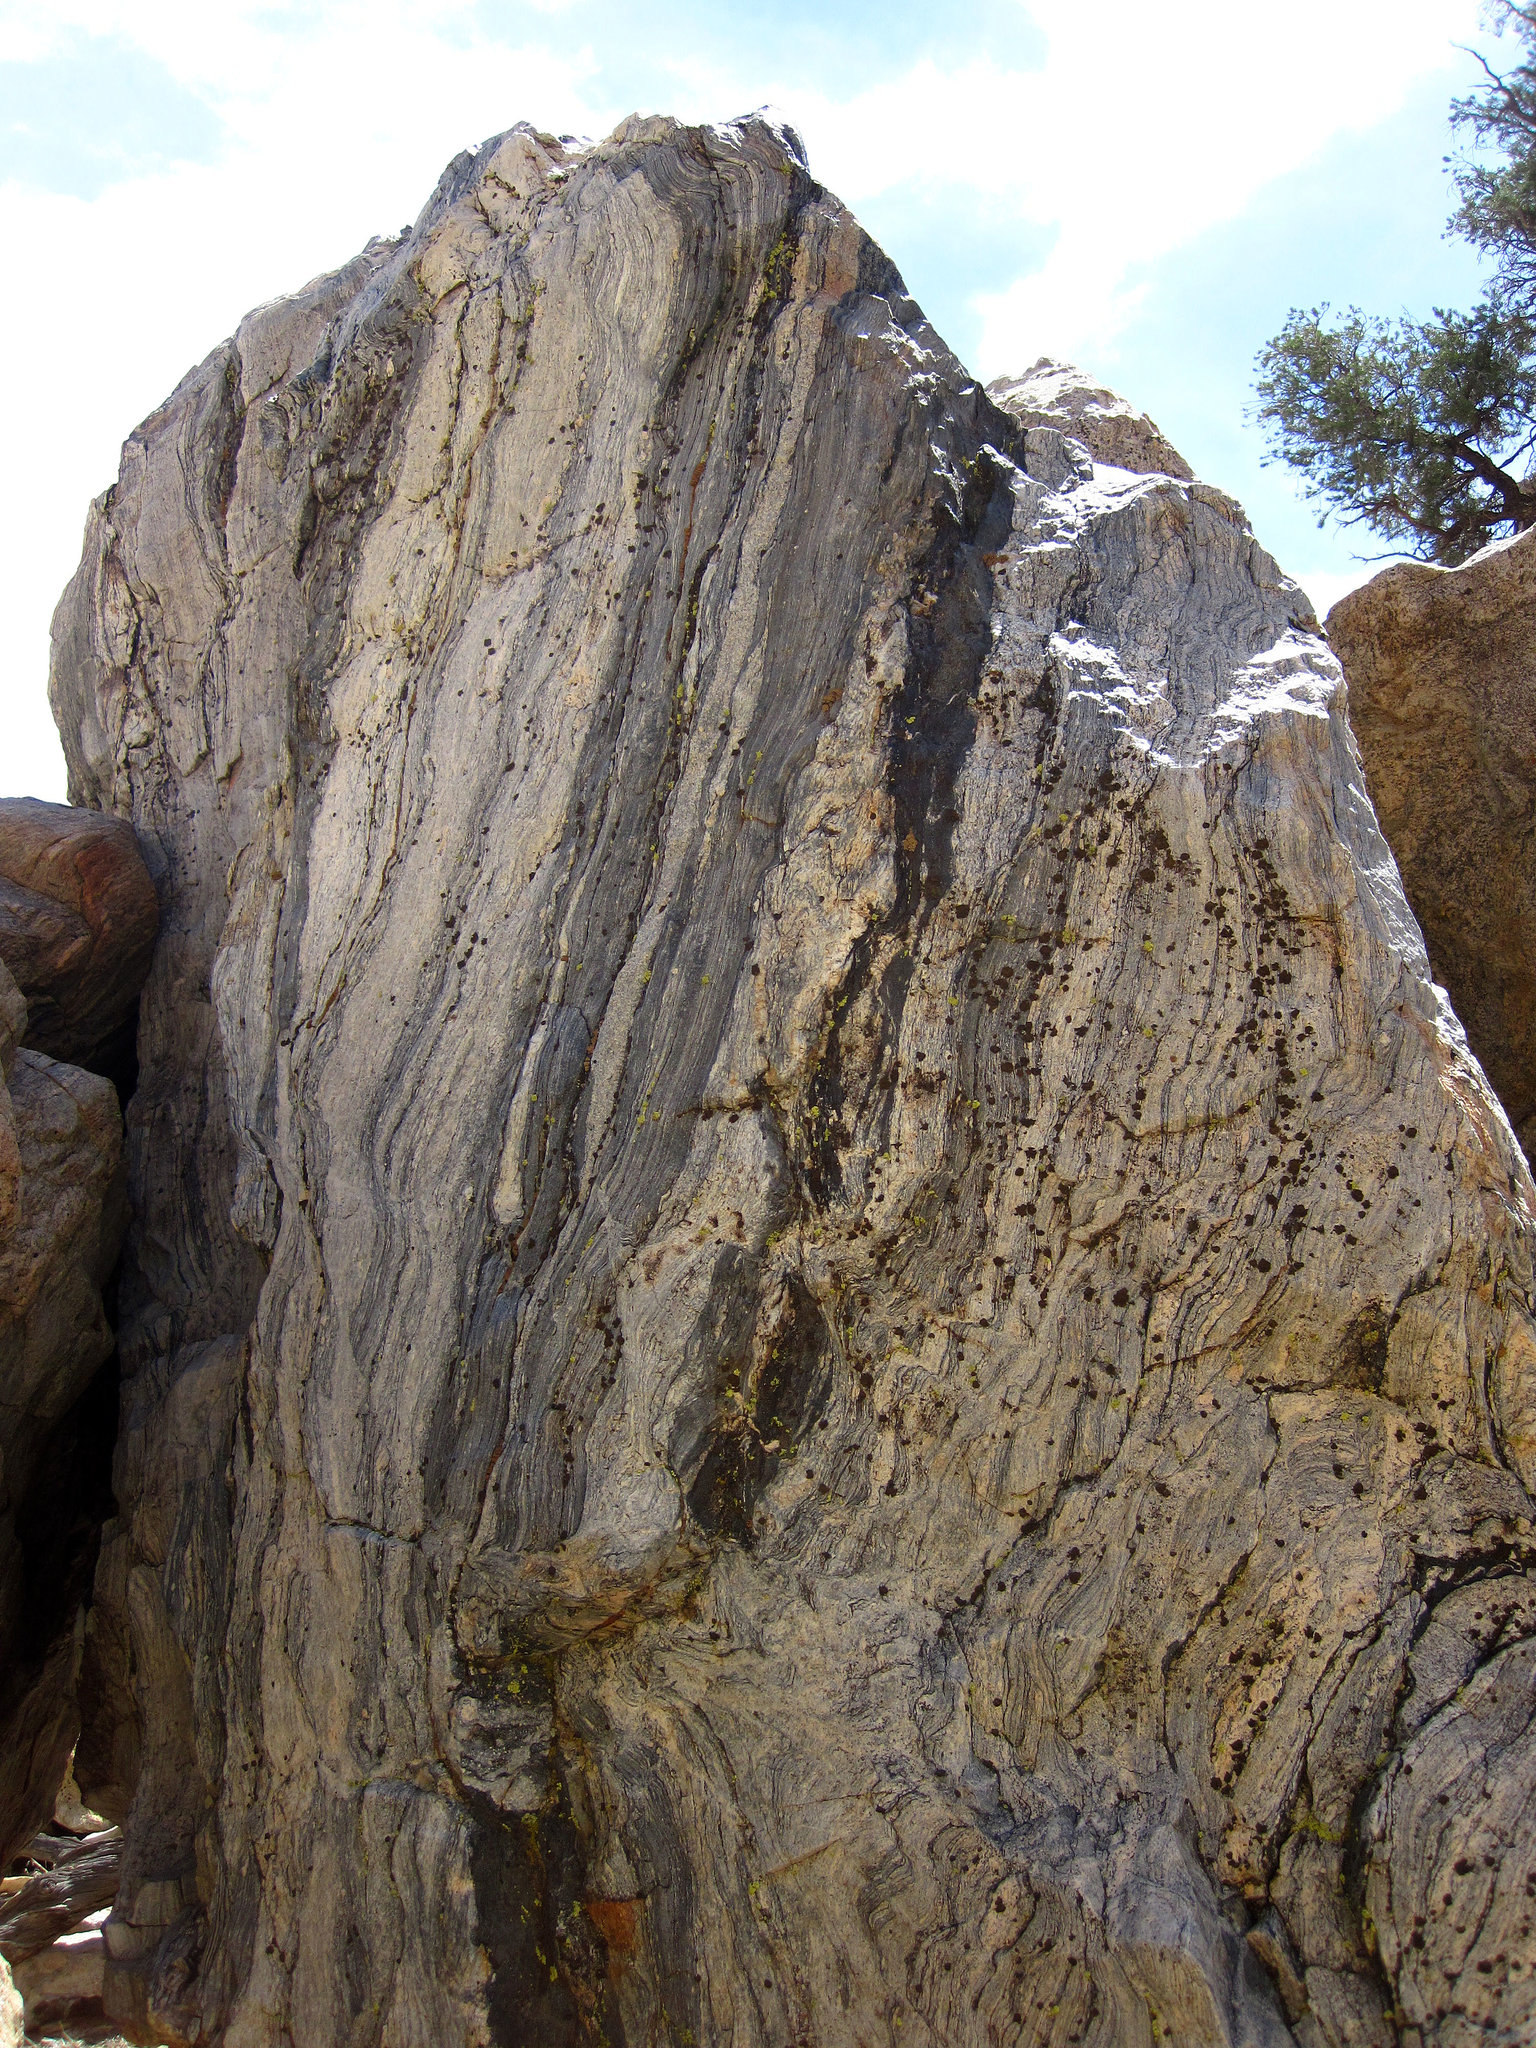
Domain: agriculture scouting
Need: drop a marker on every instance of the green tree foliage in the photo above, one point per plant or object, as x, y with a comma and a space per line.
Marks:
1418, 431
1498, 200
1424, 432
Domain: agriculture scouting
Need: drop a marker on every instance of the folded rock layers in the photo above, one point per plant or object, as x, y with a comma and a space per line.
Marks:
826, 1337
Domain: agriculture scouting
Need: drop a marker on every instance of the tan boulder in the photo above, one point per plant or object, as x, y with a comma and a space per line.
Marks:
68, 1971
1442, 696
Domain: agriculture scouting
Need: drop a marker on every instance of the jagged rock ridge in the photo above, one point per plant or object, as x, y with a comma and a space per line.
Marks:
827, 1339
1059, 396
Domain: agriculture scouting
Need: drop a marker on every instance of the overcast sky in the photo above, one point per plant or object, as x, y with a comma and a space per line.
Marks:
1141, 186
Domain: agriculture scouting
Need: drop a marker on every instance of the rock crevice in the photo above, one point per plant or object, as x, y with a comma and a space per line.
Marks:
77, 925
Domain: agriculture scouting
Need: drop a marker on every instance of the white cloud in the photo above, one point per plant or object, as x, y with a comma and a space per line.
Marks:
1146, 126
1326, 586
113, 299
1165, 136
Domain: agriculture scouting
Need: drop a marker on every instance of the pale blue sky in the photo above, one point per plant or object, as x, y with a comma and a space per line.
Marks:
1146, 188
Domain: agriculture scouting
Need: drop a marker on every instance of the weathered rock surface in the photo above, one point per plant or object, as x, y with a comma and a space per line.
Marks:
62, 1216
77, 928
827, 1339
1442, 691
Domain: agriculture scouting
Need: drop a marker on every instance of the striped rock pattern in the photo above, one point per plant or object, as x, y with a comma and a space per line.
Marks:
827, 1339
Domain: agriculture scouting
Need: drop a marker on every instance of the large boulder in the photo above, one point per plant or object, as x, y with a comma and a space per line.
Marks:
1442, 696
826, 1337
77, 926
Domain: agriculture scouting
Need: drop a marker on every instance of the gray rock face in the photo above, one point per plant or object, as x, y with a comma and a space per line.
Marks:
827, 1339
62, 1216
1442, 684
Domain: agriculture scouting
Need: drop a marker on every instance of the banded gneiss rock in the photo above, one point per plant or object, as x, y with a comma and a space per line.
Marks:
826, 1339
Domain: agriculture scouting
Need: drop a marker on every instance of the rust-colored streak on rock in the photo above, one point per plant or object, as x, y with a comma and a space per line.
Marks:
617, 1921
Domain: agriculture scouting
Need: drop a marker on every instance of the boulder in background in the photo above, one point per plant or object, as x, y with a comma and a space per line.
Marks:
1442, 696
77, 926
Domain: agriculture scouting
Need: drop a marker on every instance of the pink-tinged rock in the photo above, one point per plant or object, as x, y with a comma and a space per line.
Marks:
78, 918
